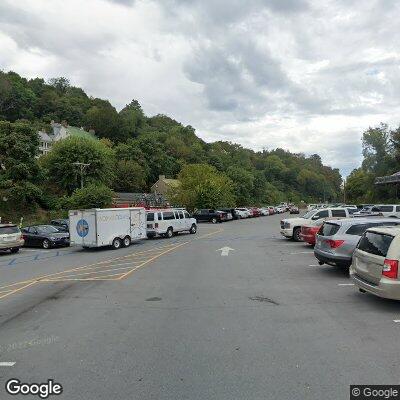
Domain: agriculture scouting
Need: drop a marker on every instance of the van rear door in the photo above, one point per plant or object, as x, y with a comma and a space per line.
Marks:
370, 255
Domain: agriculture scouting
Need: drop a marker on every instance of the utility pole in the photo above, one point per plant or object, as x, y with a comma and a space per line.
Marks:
344, 191
82, 166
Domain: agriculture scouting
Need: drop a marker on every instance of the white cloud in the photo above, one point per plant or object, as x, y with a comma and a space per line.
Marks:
308, 76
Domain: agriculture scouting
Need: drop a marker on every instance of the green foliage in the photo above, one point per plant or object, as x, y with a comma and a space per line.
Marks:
381, 152
91, 196
19, 171
59, 162
202, 186
135, 149
130, 177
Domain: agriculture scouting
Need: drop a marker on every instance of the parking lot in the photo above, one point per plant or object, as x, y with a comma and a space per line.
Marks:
233, 312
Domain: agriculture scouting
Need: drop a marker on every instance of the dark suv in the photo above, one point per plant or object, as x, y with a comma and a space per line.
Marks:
210, 215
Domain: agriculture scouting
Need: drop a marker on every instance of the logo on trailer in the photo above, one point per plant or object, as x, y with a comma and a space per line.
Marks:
82, 227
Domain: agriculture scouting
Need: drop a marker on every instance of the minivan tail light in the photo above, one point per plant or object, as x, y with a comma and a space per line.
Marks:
334, 244
390, 268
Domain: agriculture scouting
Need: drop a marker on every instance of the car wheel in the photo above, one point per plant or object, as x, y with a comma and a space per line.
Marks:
296, 235
170, 233
116, 244
214, 220
14, 250
150, 236
127, 241
193, 229
46, 244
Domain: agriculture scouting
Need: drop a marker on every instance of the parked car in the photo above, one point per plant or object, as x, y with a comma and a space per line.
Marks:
230, 213
264, 211
45, 236
10, 238
337, 240
291, 227
375, 266
242, 212
255, 212
61, 224
294, 210
271, 210
168, 222
309, 231
389, 210
209, 215
368, 210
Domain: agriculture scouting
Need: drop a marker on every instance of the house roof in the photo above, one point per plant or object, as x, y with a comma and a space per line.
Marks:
44, 136
75, 131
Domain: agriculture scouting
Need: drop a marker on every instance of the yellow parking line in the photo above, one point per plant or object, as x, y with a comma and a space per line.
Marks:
152, 259
57, 277
17, 290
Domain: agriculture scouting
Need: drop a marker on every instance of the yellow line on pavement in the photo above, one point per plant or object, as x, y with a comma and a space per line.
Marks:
57, 277
17, 290
152, 259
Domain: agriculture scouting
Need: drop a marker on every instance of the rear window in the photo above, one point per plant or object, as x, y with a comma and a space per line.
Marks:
5, 230
329, 229
338, 213
168, 215
150, 216
358, 230
375, 243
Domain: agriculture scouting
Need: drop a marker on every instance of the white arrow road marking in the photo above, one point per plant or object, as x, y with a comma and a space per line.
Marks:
225, 250
6, 364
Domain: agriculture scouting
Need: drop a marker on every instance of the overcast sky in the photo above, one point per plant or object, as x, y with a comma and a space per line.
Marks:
308, 76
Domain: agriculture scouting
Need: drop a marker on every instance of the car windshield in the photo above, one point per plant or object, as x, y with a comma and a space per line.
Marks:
47, 229
309, 214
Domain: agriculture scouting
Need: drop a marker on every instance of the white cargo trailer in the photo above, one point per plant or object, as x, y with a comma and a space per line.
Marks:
115, 227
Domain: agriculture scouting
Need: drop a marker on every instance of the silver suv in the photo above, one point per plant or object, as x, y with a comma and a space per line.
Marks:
375, 266
336, 240
10, 238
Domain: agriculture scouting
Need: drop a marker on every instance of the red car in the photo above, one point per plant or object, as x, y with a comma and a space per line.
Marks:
308, 233
255, 212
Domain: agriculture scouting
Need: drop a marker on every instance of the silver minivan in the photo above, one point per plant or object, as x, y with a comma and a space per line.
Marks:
375, 266
336, 240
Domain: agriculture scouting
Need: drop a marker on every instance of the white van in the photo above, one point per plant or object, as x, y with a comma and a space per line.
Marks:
169, 222
389, 210
115, 227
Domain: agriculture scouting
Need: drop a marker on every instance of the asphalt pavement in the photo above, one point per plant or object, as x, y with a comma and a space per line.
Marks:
233, 312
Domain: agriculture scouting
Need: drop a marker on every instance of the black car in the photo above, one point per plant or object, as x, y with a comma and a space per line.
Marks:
45, 236
61, 224
210, 215
232, 211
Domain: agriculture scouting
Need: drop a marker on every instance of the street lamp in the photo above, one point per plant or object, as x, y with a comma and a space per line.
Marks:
82, 166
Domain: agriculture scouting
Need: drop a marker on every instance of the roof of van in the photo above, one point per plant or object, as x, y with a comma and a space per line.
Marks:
363, 220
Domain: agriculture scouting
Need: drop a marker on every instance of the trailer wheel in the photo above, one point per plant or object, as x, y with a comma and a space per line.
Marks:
127, 241
116, 244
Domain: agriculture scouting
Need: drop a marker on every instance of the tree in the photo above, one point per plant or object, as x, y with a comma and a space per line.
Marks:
358, 186
202, 186
243, 182
59, 162
92, 196
105, 121
130, 177
19, 171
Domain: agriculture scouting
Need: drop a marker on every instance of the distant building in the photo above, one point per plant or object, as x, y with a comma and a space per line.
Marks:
60, 131
139, 200
163, 185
